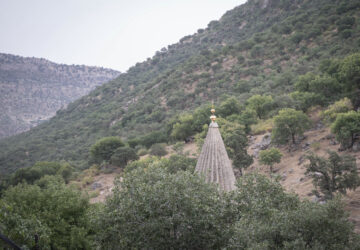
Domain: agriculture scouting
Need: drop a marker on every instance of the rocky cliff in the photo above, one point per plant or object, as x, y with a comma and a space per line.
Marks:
33, 89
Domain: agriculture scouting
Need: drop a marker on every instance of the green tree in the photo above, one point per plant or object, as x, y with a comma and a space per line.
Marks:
288, 124
248, 118
267, 217
236, 143
342, 106
337, 173
154, 209
49, 209
345, 127
229, 106
183, 128
303, 82
177, 163
158, 149
349, 73
40, 169
305, 100
269, 157
261, 104
122, 156
103, 149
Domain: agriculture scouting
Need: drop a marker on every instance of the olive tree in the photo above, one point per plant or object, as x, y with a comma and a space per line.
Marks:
269, 157
103, 149
261, 104
123, 155
337, 173
288, 124
345, 127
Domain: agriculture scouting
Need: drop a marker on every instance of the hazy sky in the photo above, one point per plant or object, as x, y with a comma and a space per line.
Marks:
108, 33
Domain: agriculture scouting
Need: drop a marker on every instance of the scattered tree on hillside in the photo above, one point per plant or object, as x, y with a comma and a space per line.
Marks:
342, 106
229, 106
288, 124
261, 104
337, 173
183, 128
122, 156
269, 157
237, 143
349, 72
346, 127
104, 148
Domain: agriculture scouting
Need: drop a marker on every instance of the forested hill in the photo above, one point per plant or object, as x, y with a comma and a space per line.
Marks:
261, 47
33, 89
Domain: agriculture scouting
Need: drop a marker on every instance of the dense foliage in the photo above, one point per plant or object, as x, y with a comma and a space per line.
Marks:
335, 174
55, 213
153, 208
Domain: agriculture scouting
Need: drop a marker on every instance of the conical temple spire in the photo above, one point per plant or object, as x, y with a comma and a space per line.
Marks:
213, 161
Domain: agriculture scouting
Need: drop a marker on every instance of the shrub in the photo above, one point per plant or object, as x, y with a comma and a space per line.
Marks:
122, 156
103, 149
342, 106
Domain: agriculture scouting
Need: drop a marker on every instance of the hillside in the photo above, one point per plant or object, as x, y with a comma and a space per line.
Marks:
260, 47
33, 89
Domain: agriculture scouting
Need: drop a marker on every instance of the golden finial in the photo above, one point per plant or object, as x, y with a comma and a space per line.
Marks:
213, 116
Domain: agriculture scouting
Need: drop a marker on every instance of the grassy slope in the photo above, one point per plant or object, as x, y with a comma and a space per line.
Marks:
266, 45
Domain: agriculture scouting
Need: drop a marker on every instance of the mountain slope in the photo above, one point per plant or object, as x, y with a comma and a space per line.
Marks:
33, 89
260, 47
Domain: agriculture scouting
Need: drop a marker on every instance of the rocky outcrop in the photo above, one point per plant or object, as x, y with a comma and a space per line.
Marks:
33, 89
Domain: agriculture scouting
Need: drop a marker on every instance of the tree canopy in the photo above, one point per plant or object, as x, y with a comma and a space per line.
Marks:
334, 174
288, 124
269, 157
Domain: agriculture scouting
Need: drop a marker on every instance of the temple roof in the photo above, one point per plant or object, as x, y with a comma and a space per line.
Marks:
214, 162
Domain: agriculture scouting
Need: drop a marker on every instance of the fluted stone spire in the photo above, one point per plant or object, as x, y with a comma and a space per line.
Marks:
213, 161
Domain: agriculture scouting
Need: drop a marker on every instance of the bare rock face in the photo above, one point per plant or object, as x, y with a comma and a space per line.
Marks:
33, 89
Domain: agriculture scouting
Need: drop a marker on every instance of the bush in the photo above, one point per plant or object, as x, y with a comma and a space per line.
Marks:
103, 149
122, 156
342, 106
158, 149
345, 127
39, 170
305, 100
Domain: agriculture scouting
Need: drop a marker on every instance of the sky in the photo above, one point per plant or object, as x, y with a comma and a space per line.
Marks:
109, 33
